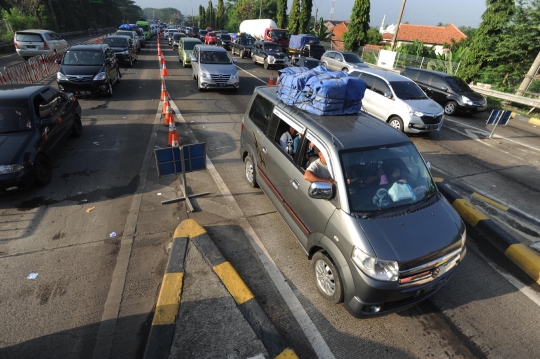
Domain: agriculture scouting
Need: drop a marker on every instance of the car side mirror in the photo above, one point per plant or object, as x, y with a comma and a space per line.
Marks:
45, 122
234, 61
321, 190
388, 94
444, 88
58, 61
193, 59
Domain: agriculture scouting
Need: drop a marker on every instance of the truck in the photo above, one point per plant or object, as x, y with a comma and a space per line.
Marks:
306, 46
266, 30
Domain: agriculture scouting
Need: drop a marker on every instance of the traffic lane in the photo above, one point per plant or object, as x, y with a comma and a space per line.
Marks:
393, 332
72, 249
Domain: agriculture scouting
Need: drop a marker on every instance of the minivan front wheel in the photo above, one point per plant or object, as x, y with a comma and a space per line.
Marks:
327, 278
450, 108
250, 172
396, 123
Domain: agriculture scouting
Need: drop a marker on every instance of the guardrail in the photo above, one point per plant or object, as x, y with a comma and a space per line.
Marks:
507, 96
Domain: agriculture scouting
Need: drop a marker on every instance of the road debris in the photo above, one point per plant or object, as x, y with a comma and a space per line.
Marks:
32, 276
90, 209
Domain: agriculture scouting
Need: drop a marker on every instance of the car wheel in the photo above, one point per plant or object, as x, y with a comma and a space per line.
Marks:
450, 108
327, 278
265, 64
241, 54
250, 172
42, 170
110, 90
345, 69
77, 127
396, 123
325, 64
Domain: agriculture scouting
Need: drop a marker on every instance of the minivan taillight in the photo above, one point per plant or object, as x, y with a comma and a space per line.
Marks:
242, 126
45, 45
15, 43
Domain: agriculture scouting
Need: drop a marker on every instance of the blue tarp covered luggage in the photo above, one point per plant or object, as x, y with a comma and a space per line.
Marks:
298, 41
125, 27
320, 91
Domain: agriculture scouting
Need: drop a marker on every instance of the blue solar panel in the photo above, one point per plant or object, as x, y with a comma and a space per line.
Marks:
493, 117
505, 118
168, 160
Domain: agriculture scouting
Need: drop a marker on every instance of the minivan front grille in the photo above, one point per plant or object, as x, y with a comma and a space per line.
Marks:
431, 120
429, 271
220, 79
80, 78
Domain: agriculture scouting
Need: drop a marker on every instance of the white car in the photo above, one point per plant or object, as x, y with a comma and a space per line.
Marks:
398, 101
30, 43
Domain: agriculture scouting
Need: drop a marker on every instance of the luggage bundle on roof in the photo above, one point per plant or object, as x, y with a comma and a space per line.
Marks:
320, 91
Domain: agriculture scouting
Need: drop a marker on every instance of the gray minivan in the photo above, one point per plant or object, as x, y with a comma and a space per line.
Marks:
213, 68
379, 242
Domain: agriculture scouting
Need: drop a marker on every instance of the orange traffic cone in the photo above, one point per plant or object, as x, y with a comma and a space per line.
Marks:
161, 60
166, 104
164, 71
174, 141
169, 115
271, 81
163, 90
159, 52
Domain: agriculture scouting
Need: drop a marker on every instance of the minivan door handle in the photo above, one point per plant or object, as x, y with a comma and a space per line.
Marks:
295, 184
264, 149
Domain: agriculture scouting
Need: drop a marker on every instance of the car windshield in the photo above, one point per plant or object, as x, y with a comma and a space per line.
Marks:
272, 47
116, 42
383, 178
83, 58
279, 34
189, 45
352, 58
14, 116
177, 36
215, 57
458, 84
408, 90
225, 37
244, 41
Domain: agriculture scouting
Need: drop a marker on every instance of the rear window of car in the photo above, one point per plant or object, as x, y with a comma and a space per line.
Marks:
14, 116
116, 42
225, 37
125, 33
26, 37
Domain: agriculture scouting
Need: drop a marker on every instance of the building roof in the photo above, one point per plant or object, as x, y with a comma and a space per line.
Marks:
387, 36
338, 31
331, 23
430, 34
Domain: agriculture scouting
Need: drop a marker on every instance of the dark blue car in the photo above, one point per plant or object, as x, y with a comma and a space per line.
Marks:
34, 121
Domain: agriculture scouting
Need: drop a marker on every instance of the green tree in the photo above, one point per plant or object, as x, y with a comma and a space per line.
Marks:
305, 16
295, 19
202, 16
221, 16
282, 14
240, 11
374, 37
356, 34
468, 30
210, 15
486, 39
320, 32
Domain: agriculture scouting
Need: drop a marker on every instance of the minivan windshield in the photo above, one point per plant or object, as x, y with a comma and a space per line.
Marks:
189, 45
215, 57
83, 58
225, 37
352, 58
408, 90
458, 84
14, 116
383, 178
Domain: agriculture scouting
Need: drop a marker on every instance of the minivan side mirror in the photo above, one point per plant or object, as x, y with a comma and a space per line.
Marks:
388, 94
444, 88
321, 190
234, 61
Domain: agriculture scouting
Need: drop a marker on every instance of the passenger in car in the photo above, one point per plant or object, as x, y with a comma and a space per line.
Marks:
318, 170
286, 140
392, 173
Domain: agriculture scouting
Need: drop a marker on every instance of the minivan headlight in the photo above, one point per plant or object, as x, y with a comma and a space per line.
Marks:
271, 59
205, 75
100, 76
234, 76
466, 100
463, 237
61, 77
414, 112
5, 169
375, 268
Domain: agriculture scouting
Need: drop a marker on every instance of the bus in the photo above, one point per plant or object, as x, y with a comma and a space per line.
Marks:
146, 28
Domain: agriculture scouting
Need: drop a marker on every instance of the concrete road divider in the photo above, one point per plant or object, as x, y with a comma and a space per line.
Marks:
521, 255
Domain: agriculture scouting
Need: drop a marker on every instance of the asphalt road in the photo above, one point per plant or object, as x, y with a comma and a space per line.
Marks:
489, 309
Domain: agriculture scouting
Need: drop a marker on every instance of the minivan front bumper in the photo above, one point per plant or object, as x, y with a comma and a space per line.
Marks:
375, 298
424, 124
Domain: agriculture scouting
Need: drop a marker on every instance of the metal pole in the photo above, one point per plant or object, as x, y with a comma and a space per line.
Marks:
392, 46
530, 75
260, 10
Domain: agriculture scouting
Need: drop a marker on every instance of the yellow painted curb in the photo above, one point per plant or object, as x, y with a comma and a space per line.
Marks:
526, 259
468, 212
189, 228
490, 201
287, 354
534, 121
234, 283
168, 299
438, 179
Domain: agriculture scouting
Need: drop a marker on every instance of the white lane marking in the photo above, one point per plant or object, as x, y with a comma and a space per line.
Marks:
494, 136
250, 74
111, 309
306, 324
523, 288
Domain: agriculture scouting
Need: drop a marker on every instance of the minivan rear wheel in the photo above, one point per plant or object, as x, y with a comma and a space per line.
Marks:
250, 172
450, 108
327, 278
396, 123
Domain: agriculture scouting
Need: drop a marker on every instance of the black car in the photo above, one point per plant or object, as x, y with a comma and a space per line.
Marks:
88, 70
449, 91
307, 62
34, 121
269, 54
202, 34
176, 39
242, 46
123, 49
223, 40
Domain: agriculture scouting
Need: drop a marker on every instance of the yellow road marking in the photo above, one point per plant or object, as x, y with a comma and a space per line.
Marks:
490, 201
236, 286
468, 212
287, 354
526, 259
169, 299
189, 228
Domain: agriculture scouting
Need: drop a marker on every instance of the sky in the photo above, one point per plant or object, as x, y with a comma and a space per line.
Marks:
421, 12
